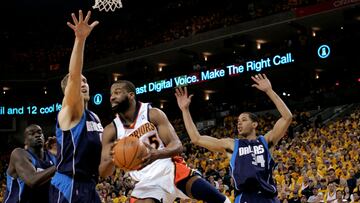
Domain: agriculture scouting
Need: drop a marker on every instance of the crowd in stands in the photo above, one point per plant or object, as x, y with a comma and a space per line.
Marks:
319, 163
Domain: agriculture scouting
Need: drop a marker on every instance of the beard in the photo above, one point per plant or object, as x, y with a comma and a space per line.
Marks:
122, 106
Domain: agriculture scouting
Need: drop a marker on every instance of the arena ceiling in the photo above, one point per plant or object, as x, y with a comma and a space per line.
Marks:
178, 54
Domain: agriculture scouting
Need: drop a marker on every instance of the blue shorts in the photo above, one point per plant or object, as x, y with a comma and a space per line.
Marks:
255, 198
64, 189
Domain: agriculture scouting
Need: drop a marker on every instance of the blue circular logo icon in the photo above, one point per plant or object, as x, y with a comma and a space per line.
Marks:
97, 99
323, 51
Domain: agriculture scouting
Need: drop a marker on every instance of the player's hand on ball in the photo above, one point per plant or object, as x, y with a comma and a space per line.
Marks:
152, 155
112, 152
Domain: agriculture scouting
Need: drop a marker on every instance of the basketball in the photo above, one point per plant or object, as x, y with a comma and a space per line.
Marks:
128, 153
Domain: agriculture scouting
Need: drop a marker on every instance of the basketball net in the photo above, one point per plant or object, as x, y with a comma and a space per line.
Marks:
107, 5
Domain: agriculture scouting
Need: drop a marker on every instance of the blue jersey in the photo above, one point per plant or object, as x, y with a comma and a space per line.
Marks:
251, 167
16, 189
79, 149
78, 158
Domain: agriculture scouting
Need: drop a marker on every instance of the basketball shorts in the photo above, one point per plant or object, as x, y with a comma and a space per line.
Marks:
64, 189
158, 180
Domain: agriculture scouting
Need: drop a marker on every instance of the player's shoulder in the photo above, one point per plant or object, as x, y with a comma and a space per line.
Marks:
94, 114
155, 113
18, 152
109, 133
110, 127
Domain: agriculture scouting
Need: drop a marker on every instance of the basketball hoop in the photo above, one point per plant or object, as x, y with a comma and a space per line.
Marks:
107, 5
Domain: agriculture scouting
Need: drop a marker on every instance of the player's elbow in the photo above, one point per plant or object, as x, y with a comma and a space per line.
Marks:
179, 148
31, 183
195, 140
288, 118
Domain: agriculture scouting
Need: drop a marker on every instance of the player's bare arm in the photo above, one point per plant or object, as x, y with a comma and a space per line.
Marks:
23, 168
211, 143
167, 134
272, 137
73, 102
106, 167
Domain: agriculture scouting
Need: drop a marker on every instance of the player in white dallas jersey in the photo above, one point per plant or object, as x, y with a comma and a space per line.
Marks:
163, 176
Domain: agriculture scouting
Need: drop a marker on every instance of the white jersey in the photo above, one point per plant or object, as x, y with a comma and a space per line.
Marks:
158, 174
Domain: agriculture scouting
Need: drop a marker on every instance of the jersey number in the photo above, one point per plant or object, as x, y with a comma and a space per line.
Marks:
153, 141
258, 159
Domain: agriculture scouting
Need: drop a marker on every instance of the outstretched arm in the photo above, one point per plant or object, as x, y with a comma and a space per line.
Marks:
106, 167
281, 126
73, 102
26, 171
211, 143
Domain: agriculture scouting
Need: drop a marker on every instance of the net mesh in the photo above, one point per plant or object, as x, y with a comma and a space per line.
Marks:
107, 5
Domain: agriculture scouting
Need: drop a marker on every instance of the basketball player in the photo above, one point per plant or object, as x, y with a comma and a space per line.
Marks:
78, 130
30, 170
251, 162
162, 177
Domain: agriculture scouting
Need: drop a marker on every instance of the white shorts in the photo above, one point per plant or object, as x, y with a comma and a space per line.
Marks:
157, 181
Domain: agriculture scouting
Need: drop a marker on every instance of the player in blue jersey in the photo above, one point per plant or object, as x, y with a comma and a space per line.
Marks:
251, 163
78, 130
30, 170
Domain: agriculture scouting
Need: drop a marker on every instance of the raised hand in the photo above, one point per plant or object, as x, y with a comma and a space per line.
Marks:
182, 98
81, 27
262, 83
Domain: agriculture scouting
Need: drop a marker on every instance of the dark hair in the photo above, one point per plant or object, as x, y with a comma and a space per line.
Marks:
252, 116
129, 86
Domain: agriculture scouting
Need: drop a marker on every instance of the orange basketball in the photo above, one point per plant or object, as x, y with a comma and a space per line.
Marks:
128, 153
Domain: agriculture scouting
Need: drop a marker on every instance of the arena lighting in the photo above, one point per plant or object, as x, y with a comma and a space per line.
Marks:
161, 66
317, 76
206, 55
259, 42
116, 76
337, 83
5, 89
162, 103
313, 33
207, 96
